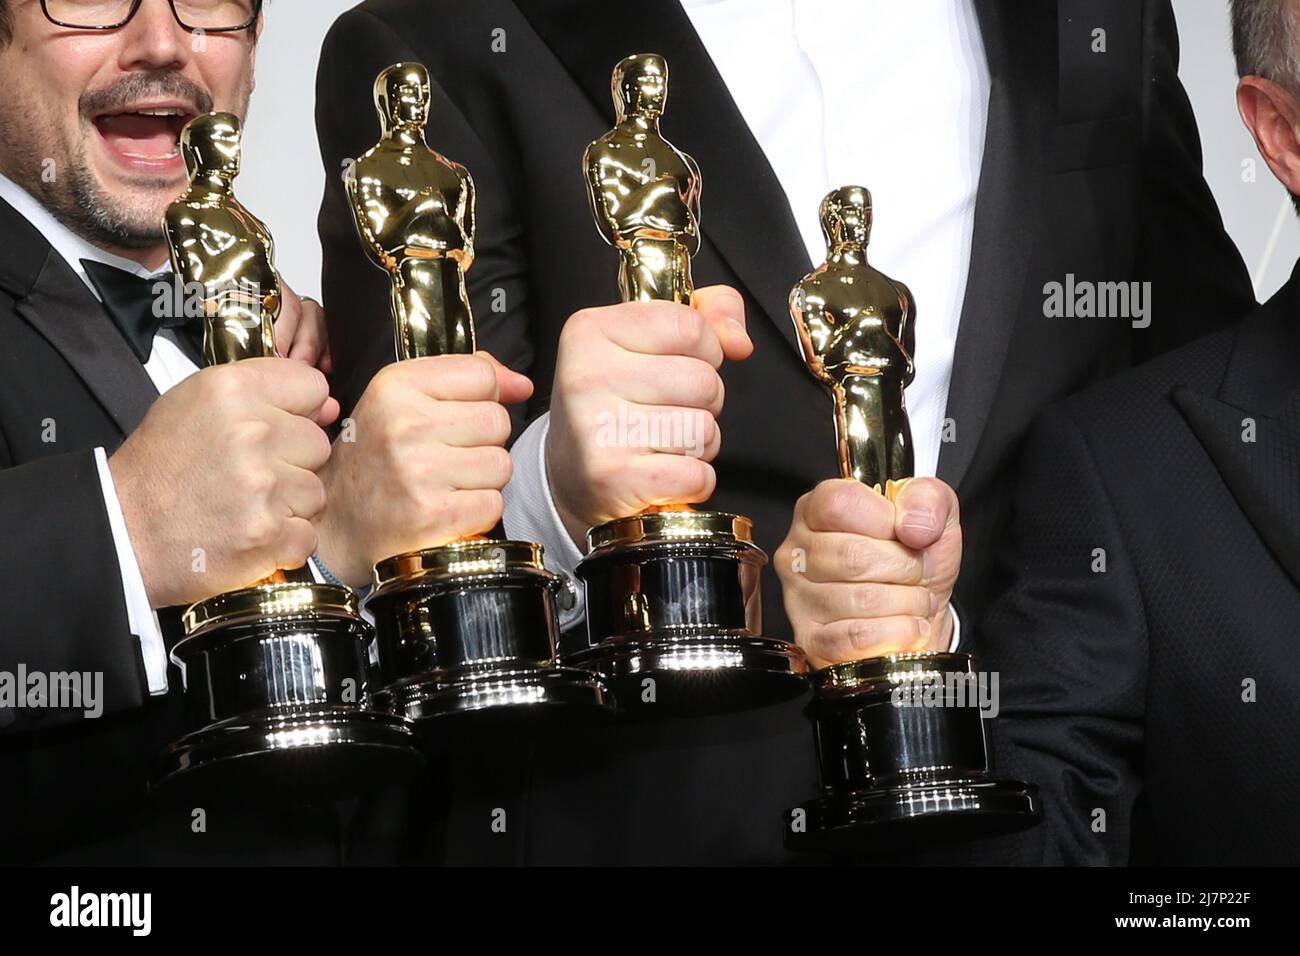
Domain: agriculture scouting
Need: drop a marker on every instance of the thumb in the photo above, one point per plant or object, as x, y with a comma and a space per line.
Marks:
513, 386
724, 309
923, 511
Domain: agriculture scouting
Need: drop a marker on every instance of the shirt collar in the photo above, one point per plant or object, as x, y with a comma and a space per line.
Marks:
72, 247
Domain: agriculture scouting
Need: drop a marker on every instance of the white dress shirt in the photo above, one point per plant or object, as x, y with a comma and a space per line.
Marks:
887, 95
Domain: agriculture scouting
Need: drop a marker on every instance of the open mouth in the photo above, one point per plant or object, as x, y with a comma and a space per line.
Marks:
145, 135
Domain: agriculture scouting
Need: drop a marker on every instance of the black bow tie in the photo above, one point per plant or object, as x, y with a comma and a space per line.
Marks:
132, 302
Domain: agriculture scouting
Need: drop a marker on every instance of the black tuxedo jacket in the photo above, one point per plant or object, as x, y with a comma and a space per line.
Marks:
1147, 648
72, 789
1091, 168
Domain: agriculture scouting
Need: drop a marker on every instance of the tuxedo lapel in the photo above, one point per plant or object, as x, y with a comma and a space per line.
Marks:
746, 215
1251, 428
51, 298
1020, 47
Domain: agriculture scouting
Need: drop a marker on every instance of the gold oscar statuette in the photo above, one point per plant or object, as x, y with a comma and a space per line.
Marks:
900, 742
472, 625
276, 674
672, 593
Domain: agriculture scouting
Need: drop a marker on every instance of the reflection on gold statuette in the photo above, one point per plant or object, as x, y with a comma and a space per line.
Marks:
414, 209
277, 673
673, 593
901, 753
222, 247
472, 625
856, 327
645, 192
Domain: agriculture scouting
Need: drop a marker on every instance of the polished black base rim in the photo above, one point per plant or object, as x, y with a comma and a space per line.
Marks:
676, 676
895, 818
507, 693
308, 757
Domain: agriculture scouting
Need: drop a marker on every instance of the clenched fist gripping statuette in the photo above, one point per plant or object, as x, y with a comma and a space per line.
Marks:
900, 740
672, 594
470, 626
276, 674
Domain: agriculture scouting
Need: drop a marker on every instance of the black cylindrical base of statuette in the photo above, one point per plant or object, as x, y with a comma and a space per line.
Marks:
277, 685
674, 617
471, 628
903, 759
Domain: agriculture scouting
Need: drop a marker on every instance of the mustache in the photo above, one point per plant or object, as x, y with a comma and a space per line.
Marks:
141, 86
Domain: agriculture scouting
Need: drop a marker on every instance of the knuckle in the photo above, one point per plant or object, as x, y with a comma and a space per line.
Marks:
581, 326
858, 559
482, 375
500, 466
322, 384
861, 633
490, 422
397, 432
688, 327
703, 384
866, 601
801, 503
258, 485
311, 377
907, 569
920, 602
228, 384
386, 388
249, 437
840, 506
498, 424
261, 530
385, 376
697, 477
492, 507
411, 476
710, 431
781, 557
318, 497
324, 447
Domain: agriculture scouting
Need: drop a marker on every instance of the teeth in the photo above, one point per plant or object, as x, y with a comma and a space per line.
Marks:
159, 112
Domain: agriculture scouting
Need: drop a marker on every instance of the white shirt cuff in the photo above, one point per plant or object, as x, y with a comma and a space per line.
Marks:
314, 565
530, 513
956, 630
140, 617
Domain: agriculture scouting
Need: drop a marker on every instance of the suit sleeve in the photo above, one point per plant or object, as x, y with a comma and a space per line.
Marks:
356, 292
63, 608
1198, 279
1068, 641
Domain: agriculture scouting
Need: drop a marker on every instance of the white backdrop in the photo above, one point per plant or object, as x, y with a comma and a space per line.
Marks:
283, 178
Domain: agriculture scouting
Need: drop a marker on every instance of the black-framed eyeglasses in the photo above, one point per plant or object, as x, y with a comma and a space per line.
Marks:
210, 16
